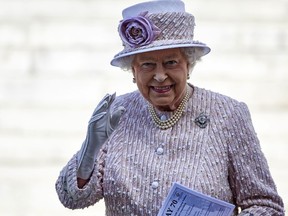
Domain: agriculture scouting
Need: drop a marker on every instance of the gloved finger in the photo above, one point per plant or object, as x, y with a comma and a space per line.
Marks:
102, 105
116, 115
102, 108
105, 103
96, 117
110, 100
115, 118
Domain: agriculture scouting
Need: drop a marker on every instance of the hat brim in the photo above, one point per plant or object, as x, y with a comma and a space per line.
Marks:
203, 49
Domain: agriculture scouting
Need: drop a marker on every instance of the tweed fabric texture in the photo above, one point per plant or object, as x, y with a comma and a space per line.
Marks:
223, 160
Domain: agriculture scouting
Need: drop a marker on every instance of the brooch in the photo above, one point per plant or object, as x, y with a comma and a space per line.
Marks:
202, 120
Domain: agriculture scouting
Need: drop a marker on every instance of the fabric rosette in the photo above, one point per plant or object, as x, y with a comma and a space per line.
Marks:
138, 31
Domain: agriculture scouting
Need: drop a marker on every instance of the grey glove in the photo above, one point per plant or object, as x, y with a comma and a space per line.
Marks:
101, 125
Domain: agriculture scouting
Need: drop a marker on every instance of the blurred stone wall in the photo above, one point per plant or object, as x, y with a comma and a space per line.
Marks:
54, 68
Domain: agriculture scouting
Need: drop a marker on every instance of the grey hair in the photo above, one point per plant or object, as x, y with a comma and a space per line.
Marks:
191, 53
126, 63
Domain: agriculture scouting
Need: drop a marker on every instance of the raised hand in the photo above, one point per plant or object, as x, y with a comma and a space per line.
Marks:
101, 125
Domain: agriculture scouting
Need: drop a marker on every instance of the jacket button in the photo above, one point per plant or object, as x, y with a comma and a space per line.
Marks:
159, 151
155, 184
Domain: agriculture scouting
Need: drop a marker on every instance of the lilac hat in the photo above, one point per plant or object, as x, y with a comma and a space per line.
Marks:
156, 25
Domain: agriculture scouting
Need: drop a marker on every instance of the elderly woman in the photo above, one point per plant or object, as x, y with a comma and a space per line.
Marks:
140, 143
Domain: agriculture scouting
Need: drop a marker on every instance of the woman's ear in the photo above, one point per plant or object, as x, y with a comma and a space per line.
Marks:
133, 72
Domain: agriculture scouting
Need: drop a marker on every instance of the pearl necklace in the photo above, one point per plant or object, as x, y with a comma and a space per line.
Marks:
174, 118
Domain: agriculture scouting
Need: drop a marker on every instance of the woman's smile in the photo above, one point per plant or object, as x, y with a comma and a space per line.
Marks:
162, 89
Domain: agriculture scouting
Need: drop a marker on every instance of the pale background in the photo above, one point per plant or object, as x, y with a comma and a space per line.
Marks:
54, 68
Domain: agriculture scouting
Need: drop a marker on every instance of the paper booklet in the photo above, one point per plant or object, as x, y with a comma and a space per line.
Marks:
183, 201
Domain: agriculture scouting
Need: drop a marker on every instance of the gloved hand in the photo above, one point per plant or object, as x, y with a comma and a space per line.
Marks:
101, 125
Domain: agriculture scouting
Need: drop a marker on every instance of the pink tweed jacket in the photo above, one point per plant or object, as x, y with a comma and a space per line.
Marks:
212, 149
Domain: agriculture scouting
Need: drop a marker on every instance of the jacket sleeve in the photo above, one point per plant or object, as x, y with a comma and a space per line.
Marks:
249, 176
68, 192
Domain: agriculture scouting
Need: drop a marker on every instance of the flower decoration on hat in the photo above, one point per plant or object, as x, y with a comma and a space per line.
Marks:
138, 31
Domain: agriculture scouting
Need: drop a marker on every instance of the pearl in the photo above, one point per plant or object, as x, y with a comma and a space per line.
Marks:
163, 118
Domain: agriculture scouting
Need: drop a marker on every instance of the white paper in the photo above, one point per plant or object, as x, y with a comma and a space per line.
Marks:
182, 201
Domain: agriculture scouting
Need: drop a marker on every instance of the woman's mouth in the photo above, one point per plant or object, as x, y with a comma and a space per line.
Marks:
162, 89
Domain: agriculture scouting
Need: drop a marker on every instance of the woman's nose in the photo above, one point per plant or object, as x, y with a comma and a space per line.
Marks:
160, 74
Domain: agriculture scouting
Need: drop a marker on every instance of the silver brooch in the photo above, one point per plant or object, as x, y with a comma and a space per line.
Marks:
202, 120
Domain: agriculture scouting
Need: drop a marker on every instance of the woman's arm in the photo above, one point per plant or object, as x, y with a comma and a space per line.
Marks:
73, 195
80, 182
250, 179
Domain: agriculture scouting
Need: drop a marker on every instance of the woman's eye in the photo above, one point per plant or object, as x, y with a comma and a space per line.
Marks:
171, 63
147, 65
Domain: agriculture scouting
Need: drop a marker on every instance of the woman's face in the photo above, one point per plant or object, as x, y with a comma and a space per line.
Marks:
161, 77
